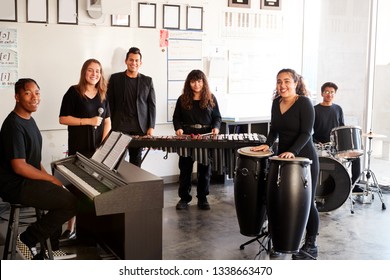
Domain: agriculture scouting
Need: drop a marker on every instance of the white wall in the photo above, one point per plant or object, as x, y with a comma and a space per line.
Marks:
337, 33
53, 54
340, 36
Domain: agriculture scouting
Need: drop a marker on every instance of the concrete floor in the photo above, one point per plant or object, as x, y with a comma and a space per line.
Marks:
194, 234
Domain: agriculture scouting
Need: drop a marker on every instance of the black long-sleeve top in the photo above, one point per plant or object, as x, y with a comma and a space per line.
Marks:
293, 128
209, 116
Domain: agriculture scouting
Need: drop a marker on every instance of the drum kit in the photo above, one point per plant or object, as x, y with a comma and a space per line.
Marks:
334, 184
275, 193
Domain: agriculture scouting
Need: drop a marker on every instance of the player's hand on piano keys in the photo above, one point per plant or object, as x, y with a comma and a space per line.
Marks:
55, 181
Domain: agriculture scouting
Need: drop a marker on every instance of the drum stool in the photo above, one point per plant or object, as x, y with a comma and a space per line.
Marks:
16, 220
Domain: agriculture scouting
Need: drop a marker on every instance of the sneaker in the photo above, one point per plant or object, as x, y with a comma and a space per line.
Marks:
68, 235
61, 255
203, 204
27, 253
182, 205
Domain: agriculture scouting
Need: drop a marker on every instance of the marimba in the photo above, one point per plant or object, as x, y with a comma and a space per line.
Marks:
217, 150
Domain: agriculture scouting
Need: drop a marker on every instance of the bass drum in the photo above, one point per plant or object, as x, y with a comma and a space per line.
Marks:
334, 185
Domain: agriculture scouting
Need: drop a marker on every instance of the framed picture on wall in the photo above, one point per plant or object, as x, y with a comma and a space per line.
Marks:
8, 11
67, 11
240, 3
147, 15
171, 16
37, 11
120, 20
271, 4
194, 18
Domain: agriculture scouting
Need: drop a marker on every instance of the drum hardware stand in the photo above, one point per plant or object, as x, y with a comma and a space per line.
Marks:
352, 200
367, 196
265, 237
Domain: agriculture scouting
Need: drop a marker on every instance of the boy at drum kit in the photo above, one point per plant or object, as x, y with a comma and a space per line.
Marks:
329, 116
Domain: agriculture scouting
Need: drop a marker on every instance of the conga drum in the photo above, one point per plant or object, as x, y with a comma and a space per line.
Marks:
288, 199
249, 190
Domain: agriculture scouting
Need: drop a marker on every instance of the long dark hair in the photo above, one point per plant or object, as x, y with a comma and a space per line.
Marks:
101, 86
206, 99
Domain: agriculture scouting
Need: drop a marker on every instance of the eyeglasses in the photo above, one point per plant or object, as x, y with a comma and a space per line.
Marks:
329, 92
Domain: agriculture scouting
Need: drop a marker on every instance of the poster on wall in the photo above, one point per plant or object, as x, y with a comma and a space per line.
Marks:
8, 58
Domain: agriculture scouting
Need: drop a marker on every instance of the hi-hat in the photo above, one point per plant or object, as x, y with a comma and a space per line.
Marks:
373, 135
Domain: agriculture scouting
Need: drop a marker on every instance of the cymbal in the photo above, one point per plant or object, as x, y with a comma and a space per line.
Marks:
373, 135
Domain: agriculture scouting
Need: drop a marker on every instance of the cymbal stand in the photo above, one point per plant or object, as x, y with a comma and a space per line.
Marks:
370, 187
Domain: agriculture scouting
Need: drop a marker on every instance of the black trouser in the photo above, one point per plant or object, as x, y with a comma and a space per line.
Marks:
135, 156
185, 178
313, 222
355, 169
60, 204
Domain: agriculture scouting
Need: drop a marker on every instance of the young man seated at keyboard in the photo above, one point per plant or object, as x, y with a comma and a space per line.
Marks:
23, 179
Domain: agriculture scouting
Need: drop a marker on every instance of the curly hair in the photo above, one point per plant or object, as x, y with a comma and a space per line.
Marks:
301, 86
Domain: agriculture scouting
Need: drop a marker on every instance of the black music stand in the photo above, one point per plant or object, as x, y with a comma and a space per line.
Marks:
369, 186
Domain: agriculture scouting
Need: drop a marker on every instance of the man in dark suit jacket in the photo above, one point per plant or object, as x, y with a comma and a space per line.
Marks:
132, 102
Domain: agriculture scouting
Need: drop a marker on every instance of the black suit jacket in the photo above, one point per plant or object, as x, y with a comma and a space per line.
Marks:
146, 100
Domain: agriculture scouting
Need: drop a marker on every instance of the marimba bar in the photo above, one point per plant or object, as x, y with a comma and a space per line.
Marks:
217, 150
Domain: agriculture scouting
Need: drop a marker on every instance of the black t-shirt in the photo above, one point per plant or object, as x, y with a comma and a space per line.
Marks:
129, 119
19, 139
83, 139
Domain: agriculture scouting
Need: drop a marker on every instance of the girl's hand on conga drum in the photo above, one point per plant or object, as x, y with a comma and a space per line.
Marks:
260, 148
287, 155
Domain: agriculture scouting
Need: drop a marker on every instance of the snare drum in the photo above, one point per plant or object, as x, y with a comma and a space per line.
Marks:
249, 190
289, 193
323, 149
347, 141
334, 185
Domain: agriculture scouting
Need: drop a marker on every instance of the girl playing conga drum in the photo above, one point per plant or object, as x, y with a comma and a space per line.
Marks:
292, 119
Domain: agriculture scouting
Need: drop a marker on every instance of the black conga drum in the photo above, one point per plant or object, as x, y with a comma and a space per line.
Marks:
288, 199
249, 190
